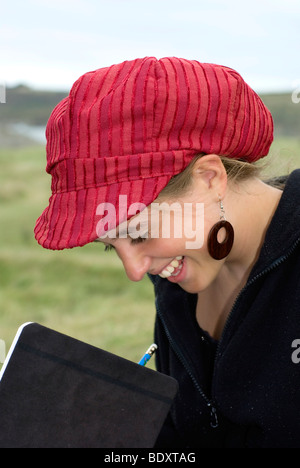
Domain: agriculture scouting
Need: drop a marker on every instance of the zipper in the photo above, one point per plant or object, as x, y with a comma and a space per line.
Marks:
209, 402
273, 265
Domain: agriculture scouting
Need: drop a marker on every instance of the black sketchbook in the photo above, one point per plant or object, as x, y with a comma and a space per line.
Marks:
56, 391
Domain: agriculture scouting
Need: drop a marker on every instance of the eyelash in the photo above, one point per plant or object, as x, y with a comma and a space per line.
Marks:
138, 240
108, 248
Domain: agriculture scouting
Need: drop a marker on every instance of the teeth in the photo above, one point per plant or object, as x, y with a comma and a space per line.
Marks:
165, 274
168, 271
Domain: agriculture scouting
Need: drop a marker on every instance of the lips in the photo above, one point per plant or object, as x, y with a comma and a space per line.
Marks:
173, 269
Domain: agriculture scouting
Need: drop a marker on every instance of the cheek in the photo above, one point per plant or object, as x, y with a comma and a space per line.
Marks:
202, 271
198, 226
167, 247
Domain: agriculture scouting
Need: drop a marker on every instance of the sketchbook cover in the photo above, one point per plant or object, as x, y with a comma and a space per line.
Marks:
56, 391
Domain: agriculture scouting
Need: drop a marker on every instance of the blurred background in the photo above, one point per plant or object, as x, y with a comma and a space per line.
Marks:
44, 47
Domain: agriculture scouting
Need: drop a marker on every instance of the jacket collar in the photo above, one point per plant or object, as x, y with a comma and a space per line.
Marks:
284, 229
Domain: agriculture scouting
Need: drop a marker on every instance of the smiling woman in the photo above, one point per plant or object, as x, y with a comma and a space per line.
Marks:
155, 158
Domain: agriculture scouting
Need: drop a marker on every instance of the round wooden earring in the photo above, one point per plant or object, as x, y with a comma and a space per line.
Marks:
216, 249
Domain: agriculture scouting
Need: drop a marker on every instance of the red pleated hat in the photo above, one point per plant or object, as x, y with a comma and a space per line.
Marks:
127, 129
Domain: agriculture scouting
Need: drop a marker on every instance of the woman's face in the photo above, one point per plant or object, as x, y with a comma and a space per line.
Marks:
169, 239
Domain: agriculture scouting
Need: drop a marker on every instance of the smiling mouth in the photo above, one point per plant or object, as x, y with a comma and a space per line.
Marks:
173, 269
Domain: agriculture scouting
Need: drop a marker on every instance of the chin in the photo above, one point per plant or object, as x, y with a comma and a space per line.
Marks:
192, 289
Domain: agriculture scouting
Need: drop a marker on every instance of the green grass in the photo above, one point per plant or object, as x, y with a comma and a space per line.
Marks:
284, 156
82, 292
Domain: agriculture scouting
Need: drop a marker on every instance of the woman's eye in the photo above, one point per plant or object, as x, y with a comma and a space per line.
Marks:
133, 241
138, 240
108, 248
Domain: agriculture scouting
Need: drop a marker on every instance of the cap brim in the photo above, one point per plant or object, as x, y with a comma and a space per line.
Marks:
73, 219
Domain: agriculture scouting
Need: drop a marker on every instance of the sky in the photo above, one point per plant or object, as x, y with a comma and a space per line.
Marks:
49, 44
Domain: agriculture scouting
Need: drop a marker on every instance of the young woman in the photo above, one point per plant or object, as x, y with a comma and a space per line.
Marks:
154, 158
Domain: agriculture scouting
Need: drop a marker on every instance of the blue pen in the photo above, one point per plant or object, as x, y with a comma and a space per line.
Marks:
150, 351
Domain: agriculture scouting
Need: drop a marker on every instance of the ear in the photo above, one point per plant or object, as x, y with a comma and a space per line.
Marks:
210, 171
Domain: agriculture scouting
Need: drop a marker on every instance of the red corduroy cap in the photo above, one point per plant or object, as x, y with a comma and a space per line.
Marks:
127, 129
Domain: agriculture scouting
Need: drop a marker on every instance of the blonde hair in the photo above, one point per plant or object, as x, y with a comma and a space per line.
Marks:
236, 169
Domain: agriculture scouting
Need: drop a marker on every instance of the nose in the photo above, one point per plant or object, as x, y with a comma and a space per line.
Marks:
135, 263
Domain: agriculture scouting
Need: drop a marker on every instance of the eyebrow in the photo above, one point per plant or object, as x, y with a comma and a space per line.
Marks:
121, 232
124, 231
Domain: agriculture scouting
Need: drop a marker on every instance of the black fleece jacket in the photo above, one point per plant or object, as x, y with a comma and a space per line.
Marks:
244, 390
